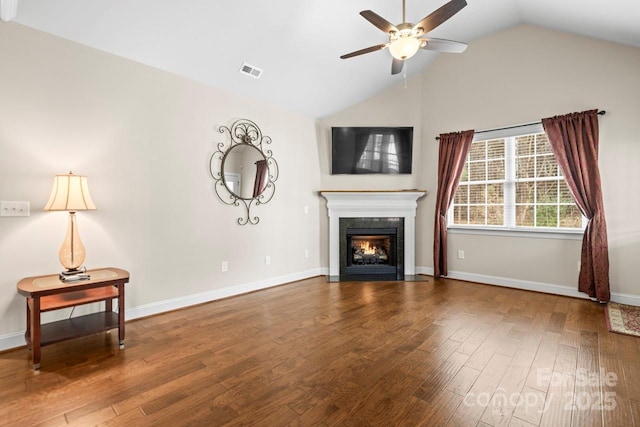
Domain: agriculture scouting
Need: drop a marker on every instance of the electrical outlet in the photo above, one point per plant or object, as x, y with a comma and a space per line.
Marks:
306, 210
460, 254
14, 208
225, 266
306, 253
267, 260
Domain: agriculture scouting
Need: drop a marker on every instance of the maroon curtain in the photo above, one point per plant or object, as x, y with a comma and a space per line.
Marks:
454, 148
262, 170
574, 141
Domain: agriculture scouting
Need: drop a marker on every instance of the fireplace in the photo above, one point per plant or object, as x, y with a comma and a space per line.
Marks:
377, 207
371, 248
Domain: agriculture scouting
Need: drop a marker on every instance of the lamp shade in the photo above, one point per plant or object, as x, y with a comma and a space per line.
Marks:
70, 193
404, 47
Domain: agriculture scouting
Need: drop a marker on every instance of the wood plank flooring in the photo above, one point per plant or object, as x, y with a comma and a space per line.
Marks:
441, 352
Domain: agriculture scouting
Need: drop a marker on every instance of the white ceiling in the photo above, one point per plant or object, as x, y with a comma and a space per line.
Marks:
297, 43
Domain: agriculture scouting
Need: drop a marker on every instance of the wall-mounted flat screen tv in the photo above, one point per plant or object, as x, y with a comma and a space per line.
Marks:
371, 150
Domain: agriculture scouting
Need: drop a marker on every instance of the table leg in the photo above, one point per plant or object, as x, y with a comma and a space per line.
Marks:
121, 315
27, 333
35, 331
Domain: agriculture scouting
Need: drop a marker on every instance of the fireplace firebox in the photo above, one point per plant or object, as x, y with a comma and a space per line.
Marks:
371, 249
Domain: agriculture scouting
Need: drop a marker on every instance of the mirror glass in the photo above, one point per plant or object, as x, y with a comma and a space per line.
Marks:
244, 170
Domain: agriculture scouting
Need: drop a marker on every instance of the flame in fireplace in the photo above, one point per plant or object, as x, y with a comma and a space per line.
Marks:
367, 248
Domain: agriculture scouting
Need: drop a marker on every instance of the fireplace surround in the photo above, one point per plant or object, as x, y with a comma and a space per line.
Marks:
400, 204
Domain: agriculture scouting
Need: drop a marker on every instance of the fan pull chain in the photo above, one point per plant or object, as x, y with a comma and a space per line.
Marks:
405, 73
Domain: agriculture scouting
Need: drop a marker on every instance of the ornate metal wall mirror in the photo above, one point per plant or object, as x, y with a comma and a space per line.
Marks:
243, 169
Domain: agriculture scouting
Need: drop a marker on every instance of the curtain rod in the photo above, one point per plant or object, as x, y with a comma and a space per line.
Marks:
600, 113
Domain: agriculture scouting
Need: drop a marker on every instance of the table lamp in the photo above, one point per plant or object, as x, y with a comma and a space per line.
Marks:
70, 193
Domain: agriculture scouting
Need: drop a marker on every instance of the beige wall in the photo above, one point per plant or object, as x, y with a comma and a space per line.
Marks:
143, 137
512, 77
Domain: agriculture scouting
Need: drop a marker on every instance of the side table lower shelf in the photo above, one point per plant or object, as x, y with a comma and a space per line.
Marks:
80, 326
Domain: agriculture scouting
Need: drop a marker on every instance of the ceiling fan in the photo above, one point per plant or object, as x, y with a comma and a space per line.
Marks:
405, 39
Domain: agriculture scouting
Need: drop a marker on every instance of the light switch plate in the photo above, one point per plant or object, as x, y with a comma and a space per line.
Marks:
14, 208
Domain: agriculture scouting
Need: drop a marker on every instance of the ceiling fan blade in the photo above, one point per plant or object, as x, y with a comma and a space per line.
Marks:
378, 21
365, 50
440, 15
442, 45
396, 65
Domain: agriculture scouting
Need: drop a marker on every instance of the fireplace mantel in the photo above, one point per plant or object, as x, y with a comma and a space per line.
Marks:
369, 204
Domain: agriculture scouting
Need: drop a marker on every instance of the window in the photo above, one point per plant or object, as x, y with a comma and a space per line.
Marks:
511, 180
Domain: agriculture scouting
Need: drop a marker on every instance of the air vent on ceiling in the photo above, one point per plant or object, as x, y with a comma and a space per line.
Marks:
250, 70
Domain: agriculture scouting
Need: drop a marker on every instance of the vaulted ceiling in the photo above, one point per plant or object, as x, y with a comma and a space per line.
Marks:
297, 43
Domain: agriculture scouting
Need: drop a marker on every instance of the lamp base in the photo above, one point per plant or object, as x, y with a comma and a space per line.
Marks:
74, 274
73, 271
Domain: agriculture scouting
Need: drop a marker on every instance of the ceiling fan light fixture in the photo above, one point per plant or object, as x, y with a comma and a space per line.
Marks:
404, 47
405, 38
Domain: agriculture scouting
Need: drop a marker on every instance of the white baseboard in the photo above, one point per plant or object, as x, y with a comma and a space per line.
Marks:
16, 339
627, 299
548, 288
12, 340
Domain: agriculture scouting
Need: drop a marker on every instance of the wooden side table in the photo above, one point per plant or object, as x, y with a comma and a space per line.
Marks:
48, 293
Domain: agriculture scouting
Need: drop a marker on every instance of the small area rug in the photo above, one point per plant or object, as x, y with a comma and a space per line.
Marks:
623, 319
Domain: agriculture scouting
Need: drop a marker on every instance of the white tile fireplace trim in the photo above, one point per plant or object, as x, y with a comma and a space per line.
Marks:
371, 204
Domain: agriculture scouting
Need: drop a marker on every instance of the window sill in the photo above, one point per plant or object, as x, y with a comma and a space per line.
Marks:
523, 233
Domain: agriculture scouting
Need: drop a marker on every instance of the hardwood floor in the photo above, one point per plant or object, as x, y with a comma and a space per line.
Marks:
308, 353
